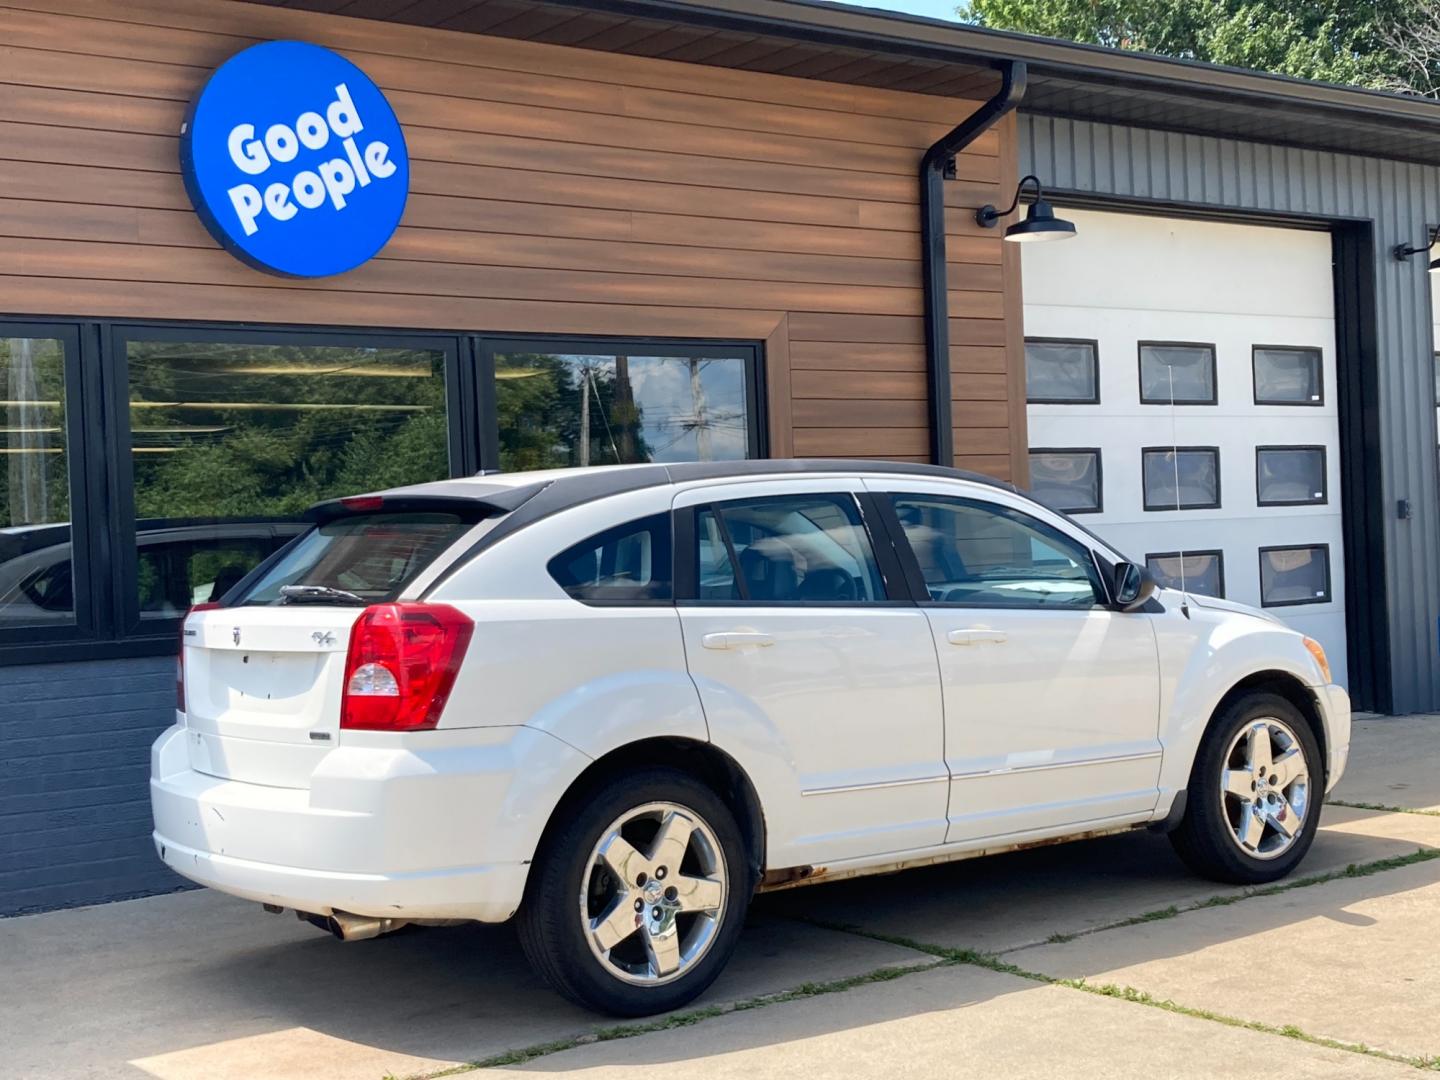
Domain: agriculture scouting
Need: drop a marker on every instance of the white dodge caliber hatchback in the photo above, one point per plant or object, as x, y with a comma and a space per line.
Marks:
615, 703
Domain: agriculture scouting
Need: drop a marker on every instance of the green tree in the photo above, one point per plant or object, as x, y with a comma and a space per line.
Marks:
1336, 41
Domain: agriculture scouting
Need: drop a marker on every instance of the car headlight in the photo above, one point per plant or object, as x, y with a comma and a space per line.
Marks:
1318, 651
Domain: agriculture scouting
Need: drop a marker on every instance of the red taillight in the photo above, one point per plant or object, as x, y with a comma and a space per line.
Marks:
180, 659
362, 503
402, 665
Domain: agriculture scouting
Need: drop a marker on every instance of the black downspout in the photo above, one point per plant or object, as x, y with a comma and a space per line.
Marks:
938, 164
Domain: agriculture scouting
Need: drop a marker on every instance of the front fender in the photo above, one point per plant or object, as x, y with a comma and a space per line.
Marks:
1202, 659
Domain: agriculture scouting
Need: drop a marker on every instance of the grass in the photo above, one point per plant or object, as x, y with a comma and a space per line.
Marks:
1383, 807
683, 1019
1354, 870
945, 956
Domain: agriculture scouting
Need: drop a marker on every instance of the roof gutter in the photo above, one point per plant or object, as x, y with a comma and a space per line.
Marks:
936, 166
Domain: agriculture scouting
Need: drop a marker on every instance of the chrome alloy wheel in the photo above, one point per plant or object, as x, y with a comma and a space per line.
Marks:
654, 894
1265, 788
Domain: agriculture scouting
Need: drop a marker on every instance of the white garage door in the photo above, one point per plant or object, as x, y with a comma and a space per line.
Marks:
1147, 334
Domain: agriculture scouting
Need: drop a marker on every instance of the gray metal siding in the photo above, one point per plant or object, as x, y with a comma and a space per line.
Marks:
74, 781
1402, 200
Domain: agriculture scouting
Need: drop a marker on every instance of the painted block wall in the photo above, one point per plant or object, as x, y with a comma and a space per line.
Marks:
74, 781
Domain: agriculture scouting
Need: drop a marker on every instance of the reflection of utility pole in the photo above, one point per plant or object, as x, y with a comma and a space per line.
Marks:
585, 414
622, 408
702, 422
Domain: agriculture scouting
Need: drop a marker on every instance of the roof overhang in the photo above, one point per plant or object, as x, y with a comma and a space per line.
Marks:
867, 46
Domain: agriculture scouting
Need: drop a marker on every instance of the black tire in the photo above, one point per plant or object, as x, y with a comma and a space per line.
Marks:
550, 924
1205, 838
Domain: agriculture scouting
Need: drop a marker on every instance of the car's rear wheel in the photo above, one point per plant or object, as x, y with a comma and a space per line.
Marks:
1253, 803
636, 902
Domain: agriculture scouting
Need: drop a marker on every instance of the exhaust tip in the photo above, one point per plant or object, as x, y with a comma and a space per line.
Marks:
349, 927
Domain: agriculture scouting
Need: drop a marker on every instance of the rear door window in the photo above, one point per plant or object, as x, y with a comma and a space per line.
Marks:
371, 556
788, 549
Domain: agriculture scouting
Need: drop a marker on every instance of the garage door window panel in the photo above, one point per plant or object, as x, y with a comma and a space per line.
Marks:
1290, 476
1181, 478
1201, 572
1068, 479
972, 554
1287, 376
1295, 575
1061, 372
1179, 373
800, 549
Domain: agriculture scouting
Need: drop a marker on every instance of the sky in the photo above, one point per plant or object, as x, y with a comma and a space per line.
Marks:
934, 9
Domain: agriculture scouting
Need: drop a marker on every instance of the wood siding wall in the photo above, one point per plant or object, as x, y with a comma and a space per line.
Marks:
553, 190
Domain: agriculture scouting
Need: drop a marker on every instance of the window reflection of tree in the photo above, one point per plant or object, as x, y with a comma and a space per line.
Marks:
239, 430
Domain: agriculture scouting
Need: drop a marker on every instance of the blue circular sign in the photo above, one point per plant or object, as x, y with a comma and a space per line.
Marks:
295, 161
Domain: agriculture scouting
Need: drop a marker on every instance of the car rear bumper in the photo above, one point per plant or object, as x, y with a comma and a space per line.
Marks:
395, 832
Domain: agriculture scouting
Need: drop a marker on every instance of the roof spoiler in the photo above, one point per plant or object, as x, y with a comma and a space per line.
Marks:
466, 500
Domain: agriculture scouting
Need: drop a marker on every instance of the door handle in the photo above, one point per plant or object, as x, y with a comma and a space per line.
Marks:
736, 639
976, 637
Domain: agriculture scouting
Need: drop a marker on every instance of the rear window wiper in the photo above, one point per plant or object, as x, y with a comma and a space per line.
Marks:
319, 594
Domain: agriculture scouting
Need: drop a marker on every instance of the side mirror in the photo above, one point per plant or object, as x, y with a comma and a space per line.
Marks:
1133, 585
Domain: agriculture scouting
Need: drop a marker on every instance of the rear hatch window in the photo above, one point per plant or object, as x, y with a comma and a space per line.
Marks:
358, 559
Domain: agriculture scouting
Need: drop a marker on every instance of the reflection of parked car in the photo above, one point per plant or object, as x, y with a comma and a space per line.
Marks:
182, 562
615, 702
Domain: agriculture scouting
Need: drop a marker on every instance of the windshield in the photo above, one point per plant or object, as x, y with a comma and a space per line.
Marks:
370, 557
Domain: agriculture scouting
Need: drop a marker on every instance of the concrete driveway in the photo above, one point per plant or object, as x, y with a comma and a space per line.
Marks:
1098, 958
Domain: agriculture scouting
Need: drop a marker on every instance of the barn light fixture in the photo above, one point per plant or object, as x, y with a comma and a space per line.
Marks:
1040, 221
1404, 251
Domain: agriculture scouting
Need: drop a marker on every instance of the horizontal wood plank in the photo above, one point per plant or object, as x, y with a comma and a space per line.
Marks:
555, 190
171, 30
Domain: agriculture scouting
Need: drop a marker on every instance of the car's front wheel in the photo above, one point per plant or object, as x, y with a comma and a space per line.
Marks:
637, 899
1253, 803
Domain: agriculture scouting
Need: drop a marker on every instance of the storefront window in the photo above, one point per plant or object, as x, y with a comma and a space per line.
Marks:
558, 409
36, 568
232, 440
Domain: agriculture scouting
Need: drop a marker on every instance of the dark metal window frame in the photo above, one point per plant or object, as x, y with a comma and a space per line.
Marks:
108, 624
1324, 499
1255, 351
1140, 347
1095, 451
81, 417
1213, 451
1217, 552
1329, 575
1094, 345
